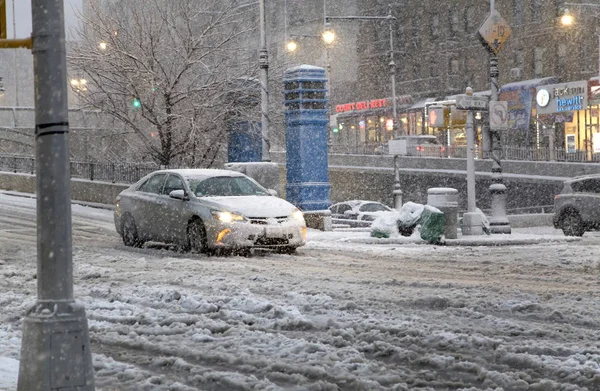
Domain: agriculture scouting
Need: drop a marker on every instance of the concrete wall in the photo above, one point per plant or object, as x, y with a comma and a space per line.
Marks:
81, 190
529, 184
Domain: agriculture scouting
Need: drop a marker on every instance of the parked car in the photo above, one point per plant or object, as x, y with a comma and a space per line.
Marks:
424, 145
357, 213
204, 210
577, 207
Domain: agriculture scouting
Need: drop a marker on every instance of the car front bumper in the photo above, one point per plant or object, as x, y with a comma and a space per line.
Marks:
246, 235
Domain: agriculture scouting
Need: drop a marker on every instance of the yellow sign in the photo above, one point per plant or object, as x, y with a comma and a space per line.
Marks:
494, 32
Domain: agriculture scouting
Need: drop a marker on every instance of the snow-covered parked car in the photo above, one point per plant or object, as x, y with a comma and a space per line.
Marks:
577, 207
205, 210
358, 213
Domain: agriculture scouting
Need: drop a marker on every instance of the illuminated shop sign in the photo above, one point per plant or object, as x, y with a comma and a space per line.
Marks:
364, 105
565, 97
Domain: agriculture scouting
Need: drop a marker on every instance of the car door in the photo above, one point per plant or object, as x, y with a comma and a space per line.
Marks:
175, 211
148, 211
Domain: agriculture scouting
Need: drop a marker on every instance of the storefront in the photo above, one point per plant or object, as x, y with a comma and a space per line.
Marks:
569, 114
364, 125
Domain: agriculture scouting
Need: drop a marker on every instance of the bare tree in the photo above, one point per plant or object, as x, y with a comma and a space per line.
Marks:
172, 71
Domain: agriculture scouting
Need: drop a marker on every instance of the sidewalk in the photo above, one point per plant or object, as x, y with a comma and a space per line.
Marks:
519, 236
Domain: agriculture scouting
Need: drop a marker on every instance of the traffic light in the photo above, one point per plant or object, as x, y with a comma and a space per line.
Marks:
438, 116
136, 103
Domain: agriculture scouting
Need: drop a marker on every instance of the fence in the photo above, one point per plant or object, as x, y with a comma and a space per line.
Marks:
506, 153
109, 172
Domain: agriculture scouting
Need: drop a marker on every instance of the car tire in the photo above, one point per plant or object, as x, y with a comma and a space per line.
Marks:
571, 223
197, 236
130, 234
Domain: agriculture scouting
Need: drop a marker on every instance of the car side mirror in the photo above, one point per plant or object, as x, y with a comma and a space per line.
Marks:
179, 195
272, 192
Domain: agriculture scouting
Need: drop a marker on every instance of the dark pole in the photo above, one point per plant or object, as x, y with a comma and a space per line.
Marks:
55, 349
499, 223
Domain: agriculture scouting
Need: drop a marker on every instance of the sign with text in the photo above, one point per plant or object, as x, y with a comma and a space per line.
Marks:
563, 97
494, 32
363, 105
476, 103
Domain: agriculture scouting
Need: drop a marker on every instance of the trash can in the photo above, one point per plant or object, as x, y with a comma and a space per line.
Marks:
446, 200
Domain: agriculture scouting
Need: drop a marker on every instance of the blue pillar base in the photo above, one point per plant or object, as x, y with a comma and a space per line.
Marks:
309, 196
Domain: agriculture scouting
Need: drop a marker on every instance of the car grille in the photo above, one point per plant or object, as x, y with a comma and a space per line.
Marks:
264, 220
263, 241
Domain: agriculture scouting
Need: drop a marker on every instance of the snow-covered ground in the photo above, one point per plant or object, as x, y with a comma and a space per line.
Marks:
346, 313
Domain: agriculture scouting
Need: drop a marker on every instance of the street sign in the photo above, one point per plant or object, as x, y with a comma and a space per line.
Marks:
476, 103
498, 115
494, 32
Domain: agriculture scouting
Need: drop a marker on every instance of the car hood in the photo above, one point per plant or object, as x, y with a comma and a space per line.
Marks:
253, 206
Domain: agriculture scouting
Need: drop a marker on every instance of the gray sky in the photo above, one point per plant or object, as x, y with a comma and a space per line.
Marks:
23, 16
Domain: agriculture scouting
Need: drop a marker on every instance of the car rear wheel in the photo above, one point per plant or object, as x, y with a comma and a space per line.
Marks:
571, 224
130, 233
197, 236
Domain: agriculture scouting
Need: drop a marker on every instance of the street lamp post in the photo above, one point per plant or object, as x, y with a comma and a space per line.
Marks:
392, 69
263, 62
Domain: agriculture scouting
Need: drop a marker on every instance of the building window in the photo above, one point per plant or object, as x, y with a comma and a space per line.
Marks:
454, 22
538, 61
517, 9
453, 66
470, 20
536, 11
435, 26
433, 70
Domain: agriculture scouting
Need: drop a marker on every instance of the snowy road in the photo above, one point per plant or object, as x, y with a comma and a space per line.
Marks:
340, 315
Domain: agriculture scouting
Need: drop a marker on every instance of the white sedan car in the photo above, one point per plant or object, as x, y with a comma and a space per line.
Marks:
207, 210
358, 213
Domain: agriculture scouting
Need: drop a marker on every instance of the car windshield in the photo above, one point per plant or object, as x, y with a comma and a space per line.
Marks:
224, 186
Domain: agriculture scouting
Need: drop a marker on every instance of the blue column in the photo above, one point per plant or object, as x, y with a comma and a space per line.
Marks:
244, 143
306, 138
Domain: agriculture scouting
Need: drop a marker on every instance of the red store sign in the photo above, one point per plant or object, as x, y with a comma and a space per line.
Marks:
364, 105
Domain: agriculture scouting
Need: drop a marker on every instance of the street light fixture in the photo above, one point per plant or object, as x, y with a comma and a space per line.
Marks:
567, 18
328, 36
291, 46
102, 45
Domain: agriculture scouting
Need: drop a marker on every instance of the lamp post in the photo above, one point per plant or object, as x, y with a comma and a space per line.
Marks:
392, 69
263, 62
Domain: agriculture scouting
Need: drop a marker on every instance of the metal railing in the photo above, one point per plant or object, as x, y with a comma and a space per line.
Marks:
108, 172
506, 153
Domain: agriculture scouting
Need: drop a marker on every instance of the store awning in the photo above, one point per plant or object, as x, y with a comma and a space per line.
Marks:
528, 84
477, 93
420, 105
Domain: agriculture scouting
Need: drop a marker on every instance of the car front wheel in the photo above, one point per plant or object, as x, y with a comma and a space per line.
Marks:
571, 224
130, 233
197, 236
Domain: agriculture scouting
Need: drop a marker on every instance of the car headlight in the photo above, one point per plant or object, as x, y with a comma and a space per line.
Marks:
228, 217
298, 215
